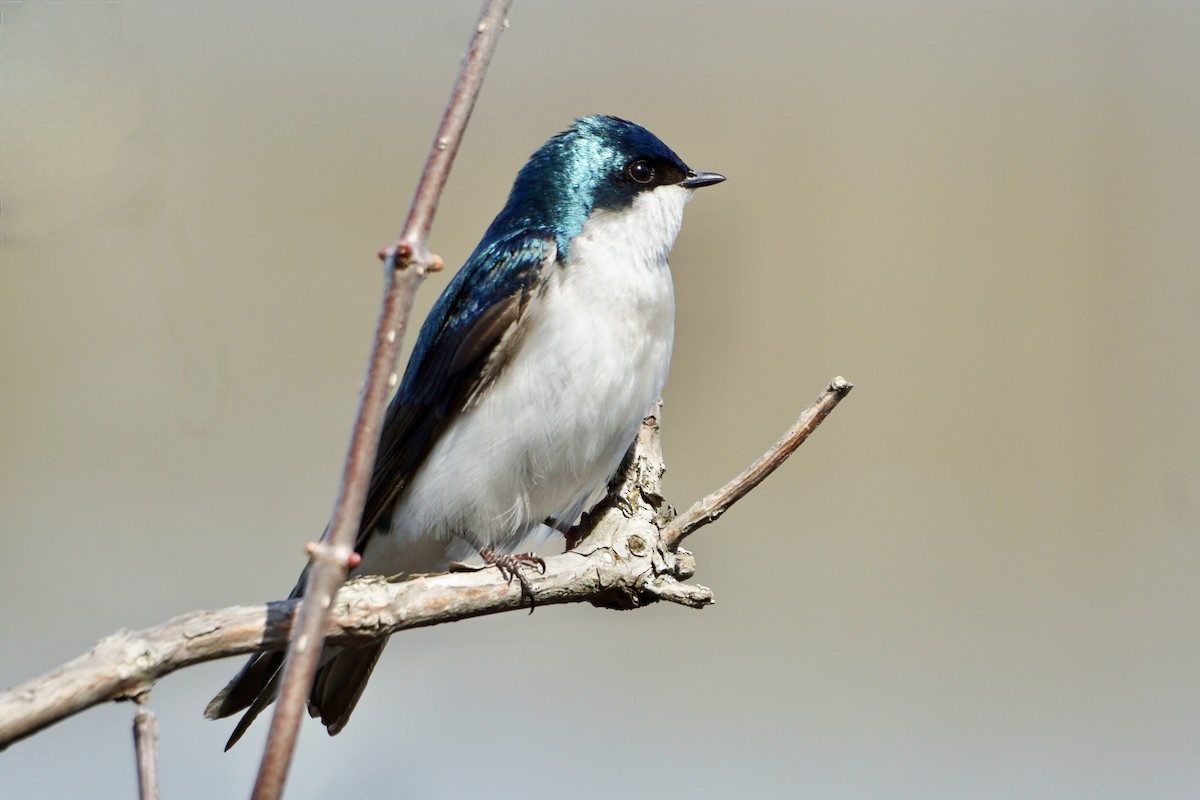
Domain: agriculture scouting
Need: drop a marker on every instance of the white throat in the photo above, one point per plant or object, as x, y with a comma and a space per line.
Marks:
643, 232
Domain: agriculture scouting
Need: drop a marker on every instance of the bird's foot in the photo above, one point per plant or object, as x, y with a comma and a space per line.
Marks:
510, 565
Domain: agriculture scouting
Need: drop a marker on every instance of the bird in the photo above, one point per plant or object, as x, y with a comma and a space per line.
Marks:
525, 388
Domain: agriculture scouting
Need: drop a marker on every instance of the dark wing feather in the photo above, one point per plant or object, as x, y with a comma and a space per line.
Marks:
463, 345
469, 335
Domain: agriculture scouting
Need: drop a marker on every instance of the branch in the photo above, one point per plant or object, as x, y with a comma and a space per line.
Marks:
128, 663
717, 503
407, 263
625, 560
145, 742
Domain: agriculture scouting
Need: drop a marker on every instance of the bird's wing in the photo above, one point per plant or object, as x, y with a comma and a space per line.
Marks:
471, 333
469, 336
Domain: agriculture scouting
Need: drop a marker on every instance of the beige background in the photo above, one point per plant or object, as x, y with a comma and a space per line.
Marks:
980, 579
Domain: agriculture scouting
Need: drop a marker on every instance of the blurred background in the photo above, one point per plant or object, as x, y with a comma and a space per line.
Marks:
980, 577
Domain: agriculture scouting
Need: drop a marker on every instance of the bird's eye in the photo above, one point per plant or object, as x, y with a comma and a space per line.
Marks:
641, 171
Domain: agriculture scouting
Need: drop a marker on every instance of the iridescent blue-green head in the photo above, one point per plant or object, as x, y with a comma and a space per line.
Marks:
600, 163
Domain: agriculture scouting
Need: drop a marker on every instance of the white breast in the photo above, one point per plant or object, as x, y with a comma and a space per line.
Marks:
547, 435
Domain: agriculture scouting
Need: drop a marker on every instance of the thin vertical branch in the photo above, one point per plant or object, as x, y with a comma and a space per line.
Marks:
407, 263
145, 742
450, 133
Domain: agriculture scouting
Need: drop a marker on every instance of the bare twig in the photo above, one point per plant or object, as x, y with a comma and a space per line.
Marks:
145, 741
717, 503
407, 263
624, 562
416, 229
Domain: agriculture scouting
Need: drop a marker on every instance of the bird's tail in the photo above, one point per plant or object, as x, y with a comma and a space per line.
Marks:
254, 687
339, 683
340, 680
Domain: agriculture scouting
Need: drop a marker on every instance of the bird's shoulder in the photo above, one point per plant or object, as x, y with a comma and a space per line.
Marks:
463, 322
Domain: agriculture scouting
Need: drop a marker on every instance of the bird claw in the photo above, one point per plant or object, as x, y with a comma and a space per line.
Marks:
510, 565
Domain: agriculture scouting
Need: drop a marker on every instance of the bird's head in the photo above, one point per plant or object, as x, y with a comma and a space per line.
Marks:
599, 164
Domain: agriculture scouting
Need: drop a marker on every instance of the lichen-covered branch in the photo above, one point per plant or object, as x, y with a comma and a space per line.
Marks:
129, 663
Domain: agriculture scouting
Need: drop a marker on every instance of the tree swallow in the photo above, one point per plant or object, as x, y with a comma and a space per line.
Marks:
526, 386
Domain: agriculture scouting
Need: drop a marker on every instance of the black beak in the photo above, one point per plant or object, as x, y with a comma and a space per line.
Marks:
695, 180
